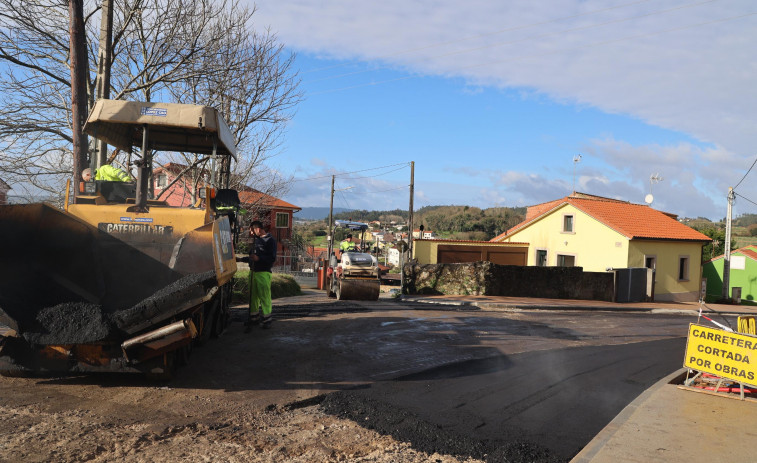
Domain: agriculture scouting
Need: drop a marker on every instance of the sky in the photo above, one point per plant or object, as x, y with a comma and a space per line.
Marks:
515, 103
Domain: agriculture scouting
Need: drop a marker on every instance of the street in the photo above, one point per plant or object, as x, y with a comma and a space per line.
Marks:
423, 380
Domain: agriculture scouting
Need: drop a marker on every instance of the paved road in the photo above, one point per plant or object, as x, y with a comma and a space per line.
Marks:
487, 377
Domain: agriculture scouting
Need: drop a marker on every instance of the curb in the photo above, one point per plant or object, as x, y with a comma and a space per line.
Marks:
532, 307
600, 440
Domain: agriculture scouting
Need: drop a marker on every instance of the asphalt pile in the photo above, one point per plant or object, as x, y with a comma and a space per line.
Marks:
84, 322
70, 323
187, 288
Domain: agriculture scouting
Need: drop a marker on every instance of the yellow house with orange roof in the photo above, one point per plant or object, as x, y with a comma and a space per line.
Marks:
598, 233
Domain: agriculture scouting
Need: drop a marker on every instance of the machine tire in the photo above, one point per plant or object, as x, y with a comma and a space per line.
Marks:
338, 290
209, 315
329, 290
222, 316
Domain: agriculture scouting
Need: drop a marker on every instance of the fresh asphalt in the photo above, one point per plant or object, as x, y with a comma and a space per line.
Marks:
499, 374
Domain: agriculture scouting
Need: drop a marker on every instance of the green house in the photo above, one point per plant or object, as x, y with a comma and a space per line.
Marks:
743, 275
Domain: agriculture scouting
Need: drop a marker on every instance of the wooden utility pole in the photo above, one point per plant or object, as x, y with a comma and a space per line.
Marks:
79, 77
726, 294
330, 232
410, 212
105, 59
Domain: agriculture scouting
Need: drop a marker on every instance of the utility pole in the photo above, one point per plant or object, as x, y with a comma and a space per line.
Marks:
105, 58
727, 260
410, 212
79, 77
329, 233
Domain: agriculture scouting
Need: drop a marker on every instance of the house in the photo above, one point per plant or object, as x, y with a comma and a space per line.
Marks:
393, 256
276, 214
273, 212
742, 275
4, 188
599, 234
182, 192
423, 234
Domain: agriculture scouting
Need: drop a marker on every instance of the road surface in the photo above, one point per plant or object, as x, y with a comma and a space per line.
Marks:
456, 382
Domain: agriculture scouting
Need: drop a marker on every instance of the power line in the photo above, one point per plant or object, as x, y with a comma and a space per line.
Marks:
745, 198
747, 173
606, 42
377, 175
406, 164
391, 189
525, 39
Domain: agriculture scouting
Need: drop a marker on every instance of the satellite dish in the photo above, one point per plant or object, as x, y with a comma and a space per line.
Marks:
649, 198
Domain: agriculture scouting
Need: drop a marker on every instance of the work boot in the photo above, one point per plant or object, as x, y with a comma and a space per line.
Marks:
252, 319
266, 324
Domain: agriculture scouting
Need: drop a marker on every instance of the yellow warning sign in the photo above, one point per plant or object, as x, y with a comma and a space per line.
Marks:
722, 353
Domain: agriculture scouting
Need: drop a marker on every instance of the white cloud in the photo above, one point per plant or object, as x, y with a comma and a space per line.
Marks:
688, 67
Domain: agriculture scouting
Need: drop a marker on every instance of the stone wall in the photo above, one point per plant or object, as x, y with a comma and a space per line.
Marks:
487, 279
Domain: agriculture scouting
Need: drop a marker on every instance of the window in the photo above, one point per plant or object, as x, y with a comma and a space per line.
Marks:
162, 181
567, 224
566, 261
541, 258
282, 220
683, 268
650, 262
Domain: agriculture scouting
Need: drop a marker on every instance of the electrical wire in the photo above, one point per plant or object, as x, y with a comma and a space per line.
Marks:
391, 189
747, 173
340, 175
600, 43
377, 175
745, 198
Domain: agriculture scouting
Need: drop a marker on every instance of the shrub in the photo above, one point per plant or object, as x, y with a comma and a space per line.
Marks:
282, 285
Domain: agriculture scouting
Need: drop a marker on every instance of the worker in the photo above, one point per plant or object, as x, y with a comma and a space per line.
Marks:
262, 257
107, 173
347, 245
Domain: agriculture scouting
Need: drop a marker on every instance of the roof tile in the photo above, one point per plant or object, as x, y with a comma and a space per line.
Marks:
635, 221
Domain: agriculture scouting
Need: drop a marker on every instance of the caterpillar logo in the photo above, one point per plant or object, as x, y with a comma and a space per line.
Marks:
135, 229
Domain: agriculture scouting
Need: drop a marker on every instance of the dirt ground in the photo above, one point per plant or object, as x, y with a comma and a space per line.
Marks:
295, 392
150, 424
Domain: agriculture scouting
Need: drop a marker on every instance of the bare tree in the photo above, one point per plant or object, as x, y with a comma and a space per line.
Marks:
187, 51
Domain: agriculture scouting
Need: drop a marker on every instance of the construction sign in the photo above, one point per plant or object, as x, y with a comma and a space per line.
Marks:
722, 353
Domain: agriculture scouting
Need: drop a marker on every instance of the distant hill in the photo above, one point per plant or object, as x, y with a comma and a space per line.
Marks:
455, 222
317, 213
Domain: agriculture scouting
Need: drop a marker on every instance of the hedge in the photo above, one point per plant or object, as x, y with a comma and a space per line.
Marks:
282, 285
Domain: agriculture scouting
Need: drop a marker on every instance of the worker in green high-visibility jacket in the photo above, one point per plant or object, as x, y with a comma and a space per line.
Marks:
347, 245
107, 173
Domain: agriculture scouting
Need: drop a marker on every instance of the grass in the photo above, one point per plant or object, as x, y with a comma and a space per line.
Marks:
282, 285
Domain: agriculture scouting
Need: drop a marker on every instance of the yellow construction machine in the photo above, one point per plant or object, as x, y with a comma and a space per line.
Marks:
118, 281
354, 275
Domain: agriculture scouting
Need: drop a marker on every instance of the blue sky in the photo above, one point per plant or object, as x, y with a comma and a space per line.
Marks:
494, 100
